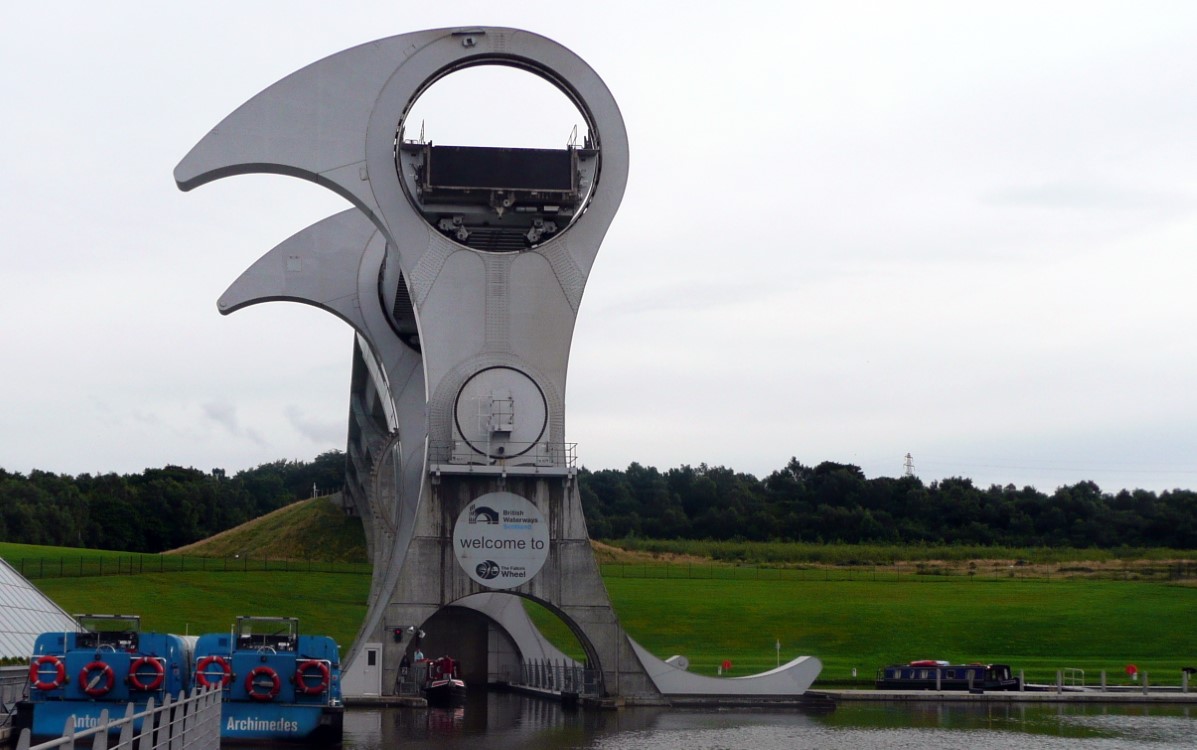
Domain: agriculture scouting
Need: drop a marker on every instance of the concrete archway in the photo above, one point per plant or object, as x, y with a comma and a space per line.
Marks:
492, 636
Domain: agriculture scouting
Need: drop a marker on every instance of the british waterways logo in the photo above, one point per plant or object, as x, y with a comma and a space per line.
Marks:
483, 514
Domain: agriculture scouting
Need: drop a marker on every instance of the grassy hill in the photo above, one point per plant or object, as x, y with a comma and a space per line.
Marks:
315, 529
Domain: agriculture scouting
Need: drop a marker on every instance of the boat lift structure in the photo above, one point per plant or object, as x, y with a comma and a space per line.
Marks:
461, 271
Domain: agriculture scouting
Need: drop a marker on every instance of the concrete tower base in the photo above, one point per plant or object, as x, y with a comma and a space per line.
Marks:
569, 584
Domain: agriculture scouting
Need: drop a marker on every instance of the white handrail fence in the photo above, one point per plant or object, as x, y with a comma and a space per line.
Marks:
558, 677
187, 723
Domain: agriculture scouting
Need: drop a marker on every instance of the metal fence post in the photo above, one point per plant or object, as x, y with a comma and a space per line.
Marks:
126, 736
147, 724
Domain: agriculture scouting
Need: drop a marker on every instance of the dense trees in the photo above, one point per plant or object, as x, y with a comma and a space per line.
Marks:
156, 510
834, 502
161, 509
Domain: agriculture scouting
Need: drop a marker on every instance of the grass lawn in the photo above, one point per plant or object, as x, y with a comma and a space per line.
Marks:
325, 603
1037, 625
53, 556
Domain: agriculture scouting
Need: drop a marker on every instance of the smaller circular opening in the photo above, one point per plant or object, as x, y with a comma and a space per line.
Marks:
500, 412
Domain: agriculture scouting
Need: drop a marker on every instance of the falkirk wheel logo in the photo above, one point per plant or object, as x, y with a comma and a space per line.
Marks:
501, 540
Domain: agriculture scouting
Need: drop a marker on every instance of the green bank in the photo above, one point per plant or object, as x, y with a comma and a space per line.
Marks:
307, 560
1039, 626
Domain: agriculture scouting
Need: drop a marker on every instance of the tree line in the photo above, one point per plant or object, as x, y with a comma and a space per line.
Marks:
162, 509
157, 510
834, 502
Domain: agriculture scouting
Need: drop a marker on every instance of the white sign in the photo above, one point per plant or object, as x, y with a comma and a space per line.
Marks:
501, 540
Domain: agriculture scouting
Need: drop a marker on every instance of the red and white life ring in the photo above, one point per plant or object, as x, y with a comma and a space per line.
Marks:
208, 678
101, 683
35, 673
136, 680
253, 683
302, 673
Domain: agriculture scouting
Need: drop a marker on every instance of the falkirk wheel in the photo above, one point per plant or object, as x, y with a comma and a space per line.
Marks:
461, 270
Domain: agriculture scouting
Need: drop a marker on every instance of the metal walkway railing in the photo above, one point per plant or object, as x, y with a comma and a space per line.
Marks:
187, 723
14, 685
558, 677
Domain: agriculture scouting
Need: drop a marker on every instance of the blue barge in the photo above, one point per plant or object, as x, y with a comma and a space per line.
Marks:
105, 664
279, 685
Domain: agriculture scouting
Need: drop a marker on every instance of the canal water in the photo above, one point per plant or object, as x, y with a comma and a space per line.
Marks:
505, 721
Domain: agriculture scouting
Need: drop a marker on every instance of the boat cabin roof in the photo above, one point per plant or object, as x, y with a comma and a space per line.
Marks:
280, 633
118, 631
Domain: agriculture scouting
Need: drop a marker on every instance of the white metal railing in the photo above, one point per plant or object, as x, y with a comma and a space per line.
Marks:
187, 723
509, 455
14, 685
411, 680
558, 677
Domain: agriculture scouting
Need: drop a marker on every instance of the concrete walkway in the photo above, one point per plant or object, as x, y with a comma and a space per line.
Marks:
962, 696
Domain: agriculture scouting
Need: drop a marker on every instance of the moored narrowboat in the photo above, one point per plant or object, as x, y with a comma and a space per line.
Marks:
279, 685
941, 675
442, 686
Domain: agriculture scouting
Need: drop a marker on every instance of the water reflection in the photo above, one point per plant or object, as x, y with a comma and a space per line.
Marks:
507, 721
503, 721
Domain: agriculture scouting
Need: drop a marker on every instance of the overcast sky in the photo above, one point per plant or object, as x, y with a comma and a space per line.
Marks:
852, 231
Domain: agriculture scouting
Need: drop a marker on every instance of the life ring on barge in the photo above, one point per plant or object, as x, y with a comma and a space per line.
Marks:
252, 683
101, 683
301, 677
135, 674
208, 679
35, 673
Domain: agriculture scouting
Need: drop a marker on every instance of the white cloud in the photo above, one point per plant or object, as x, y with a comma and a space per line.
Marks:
224, 414
851, 230
320, 433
